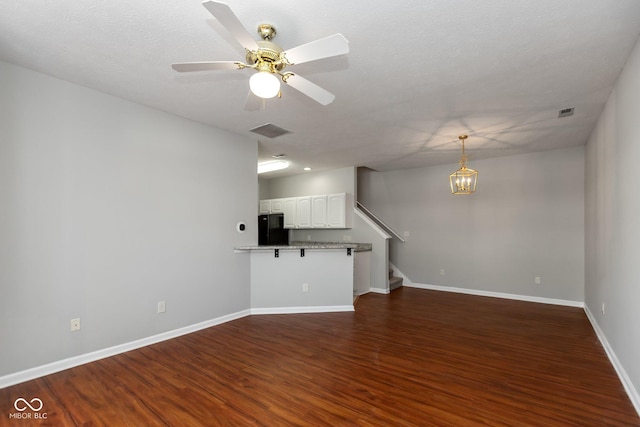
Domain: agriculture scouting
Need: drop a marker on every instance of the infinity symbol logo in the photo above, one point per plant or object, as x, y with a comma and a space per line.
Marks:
24, 402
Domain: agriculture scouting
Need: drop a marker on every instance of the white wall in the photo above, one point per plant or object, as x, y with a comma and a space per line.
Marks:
525, 220
108, 207
613, 225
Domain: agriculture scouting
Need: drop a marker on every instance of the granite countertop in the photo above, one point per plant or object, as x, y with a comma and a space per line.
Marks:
296, 245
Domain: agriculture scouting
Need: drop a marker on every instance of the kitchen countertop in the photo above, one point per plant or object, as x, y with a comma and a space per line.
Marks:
297, 245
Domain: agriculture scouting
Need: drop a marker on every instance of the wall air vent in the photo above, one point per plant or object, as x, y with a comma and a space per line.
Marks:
565, 112
269, 130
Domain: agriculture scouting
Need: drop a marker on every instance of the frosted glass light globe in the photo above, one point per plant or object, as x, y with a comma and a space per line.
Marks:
264, 84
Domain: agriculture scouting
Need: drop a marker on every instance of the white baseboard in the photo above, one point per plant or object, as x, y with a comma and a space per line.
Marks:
379, 290
301, 310
517, 297
71, 362
632, 392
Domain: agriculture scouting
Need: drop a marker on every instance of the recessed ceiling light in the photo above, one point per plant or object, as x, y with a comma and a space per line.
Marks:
273, 165
307, 168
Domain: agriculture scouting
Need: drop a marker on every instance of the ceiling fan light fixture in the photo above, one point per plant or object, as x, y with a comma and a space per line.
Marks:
264, 84
269, 59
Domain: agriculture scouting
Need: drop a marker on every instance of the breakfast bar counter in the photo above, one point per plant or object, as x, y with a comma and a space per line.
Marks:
304, 277
356, 247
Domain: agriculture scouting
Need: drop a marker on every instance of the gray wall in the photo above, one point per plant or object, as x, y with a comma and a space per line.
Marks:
525, 220
263, 189
309, 184
613, 222
107, 208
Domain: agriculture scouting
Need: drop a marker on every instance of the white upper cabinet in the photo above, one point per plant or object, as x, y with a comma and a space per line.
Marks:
318, 211
337, 211
277, 205
303, 212
271, 206
306, 212
264, 207
290, 210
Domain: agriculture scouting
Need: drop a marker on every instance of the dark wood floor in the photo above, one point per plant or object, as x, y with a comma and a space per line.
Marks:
412, 358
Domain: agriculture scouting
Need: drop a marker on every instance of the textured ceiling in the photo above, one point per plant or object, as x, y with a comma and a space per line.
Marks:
419, 73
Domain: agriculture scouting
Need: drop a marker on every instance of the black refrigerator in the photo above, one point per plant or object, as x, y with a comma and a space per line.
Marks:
271, 230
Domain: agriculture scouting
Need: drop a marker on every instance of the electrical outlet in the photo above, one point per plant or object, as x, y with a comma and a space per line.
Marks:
75, 324
305, 287
442, 271
603, 309
537, 280
162, 307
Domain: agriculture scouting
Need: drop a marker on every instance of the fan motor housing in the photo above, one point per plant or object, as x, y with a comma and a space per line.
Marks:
268, 52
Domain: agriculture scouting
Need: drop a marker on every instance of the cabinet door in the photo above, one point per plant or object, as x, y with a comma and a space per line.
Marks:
303, 212
290, 212
277, 205
264, 207
336, 210
318, 211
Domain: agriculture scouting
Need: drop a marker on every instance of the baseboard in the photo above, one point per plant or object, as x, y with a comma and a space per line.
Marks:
379, 290
632, 392
302, 310
71, 362
528, 298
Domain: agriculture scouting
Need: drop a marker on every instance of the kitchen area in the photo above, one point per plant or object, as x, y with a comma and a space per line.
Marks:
293, 275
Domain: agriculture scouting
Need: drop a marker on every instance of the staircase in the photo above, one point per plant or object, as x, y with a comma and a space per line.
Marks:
394, 282
378, 229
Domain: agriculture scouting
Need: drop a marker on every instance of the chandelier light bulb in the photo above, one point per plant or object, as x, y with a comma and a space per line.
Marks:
264, 84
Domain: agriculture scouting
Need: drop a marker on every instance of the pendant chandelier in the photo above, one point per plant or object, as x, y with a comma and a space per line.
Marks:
464, 180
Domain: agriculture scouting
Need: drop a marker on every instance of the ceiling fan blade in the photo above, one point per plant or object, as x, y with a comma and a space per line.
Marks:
206, 66
322, 48
223, 13
312, 90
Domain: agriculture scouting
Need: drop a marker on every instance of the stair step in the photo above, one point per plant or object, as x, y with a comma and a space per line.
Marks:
395, 283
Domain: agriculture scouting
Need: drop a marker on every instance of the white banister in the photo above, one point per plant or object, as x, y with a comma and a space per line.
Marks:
379, 221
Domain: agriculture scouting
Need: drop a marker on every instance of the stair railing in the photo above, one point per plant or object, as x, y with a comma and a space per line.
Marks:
380, 222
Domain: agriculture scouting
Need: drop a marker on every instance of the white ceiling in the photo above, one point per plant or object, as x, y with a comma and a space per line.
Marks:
419, 72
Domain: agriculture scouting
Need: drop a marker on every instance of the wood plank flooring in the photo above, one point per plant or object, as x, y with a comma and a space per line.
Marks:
411, 358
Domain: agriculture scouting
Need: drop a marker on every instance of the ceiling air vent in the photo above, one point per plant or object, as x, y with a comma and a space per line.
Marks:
565, 112
269, 130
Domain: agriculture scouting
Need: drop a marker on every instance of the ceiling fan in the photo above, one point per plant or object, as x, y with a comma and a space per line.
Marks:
268, 59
